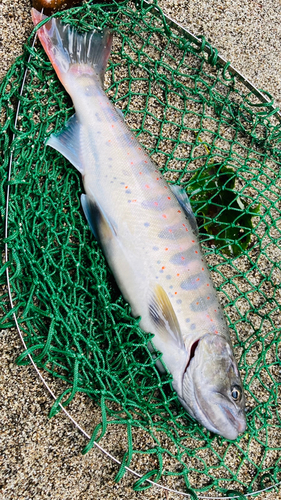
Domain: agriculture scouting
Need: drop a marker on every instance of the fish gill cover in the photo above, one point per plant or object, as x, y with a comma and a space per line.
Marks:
74, 320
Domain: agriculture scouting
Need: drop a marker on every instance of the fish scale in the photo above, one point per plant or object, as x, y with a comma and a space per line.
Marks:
147, 232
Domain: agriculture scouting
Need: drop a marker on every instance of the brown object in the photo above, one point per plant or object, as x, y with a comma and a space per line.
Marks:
51, 6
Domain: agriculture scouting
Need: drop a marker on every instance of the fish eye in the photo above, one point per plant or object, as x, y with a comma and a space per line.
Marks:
236, 393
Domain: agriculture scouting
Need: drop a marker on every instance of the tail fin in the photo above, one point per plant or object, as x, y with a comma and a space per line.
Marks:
65, 47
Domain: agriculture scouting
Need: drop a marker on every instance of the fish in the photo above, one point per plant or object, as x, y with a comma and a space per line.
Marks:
148, 233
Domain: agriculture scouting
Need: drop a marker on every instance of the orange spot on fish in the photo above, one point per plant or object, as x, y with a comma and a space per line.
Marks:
147, 186
198, 279
177, 274
140, 173
157, 178
208, 284
140, 149
145, 161
132, 163
215, 310
179, 211
216, 331
182, 258
197, 303
170, 230
176, 293
202, 268
193, 241
183, 225
164, 216
133, 201
163, 267
169, 197
165, 187
126, 187
196, 251
166, 249
156, 204
208, 298
112, 126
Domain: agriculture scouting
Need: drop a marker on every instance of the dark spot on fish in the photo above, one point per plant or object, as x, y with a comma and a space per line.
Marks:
161, 271
156, 203
193, 326
168, 277
109, 166
187, 320
179, 301
128, 191
155, 248
146, 224
110, 159
158, 261
172, 232
97, 115
183, 258
200, 304
194, 281
126, 138
171, 287
129, 201
122, 183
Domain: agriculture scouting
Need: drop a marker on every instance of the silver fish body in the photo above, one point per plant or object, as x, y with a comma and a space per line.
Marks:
148, 234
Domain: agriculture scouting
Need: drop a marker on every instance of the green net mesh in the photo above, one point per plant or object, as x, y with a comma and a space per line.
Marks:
196, 120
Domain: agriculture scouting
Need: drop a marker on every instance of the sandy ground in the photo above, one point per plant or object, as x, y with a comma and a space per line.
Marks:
42, 458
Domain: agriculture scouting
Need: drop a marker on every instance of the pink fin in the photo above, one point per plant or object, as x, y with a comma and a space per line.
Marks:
65, 47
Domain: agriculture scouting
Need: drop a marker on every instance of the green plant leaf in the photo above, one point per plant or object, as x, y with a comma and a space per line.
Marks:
227, 217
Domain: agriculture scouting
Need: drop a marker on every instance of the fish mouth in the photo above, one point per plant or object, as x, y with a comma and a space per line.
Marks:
238, 423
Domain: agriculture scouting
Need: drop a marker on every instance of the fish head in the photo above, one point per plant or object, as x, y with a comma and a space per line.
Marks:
212, 390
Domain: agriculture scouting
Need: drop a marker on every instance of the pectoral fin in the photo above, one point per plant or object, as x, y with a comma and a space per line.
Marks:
164, 317
100, 225
184, 202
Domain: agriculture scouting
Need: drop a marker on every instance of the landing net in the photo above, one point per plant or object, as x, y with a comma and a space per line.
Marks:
207, 132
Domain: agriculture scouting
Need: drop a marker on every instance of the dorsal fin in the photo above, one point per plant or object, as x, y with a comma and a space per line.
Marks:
184, 202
